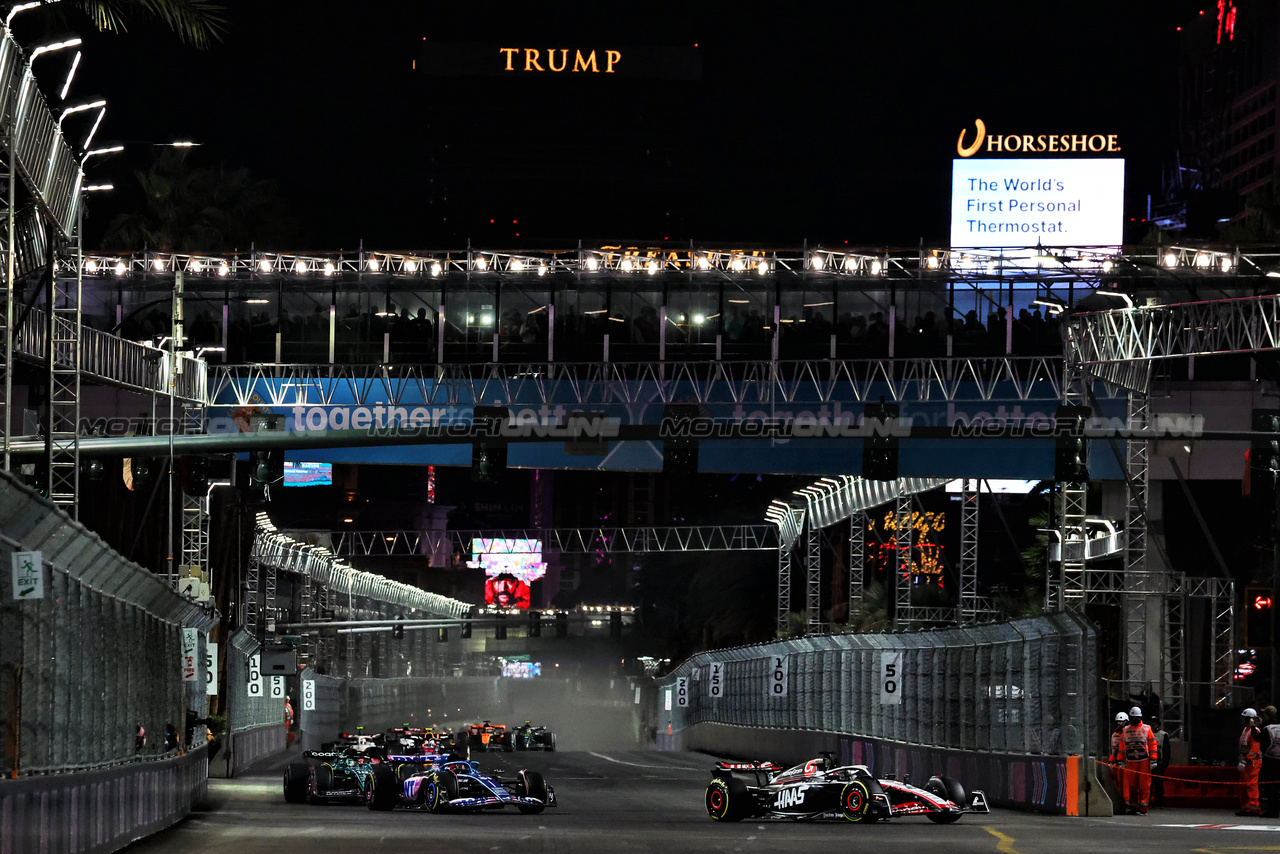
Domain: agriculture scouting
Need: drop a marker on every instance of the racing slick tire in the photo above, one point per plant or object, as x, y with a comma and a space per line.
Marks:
384, 789
319, 779
949, 788
296, 782
531, 785
437, 790
523, 742
508, 743
855, 801
727, 799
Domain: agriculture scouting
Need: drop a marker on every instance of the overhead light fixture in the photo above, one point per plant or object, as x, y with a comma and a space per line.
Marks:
411, 266
329, 269
1120, 295
299, 266
372, 264
626, 265
264, 265
704, 263
653, 268
22, 7
436, 268
876, 267
158, 263
52, 46
66, 87
816, 262
517, 264
593, 263
120, 268
94, 188
762, 268
542, 269
224, 269
80, 108
1170, 260
482, 263
91, 266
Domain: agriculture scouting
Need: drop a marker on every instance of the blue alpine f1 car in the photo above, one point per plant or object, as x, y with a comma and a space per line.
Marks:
457, 785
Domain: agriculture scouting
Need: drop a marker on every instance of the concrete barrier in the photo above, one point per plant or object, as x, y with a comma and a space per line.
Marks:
88, 812
245, 747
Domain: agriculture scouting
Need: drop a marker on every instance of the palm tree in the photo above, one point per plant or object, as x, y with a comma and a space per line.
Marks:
186, 208
199, 23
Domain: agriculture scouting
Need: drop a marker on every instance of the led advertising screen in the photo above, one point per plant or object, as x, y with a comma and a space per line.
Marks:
308, 474
510, 566
999, 203
521, 669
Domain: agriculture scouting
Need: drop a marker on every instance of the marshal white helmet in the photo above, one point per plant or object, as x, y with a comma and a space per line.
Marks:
1122, 718
1135, 712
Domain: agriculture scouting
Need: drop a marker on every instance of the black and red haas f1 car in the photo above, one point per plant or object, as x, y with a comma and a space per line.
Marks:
818, 789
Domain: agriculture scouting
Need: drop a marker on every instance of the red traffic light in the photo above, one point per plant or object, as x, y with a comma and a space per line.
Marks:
1262, 601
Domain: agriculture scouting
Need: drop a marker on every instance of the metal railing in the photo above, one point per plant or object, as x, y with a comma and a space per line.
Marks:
46, 164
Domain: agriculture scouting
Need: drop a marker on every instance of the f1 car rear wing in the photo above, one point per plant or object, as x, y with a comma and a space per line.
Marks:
761, 770
748, 766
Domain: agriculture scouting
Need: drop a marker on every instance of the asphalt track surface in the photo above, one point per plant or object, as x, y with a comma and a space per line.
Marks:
636, 801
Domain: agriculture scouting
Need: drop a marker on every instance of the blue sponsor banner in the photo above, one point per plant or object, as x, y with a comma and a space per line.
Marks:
319, 405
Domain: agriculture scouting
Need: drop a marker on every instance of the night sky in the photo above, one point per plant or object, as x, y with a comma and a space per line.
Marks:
819, 122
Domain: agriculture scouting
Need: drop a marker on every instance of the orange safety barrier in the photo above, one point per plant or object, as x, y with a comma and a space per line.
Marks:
1198, 785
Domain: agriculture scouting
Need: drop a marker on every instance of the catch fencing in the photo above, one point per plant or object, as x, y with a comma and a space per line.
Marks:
1021, 687
91, 647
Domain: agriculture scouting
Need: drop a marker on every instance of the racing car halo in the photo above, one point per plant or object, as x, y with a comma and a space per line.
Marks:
818, 789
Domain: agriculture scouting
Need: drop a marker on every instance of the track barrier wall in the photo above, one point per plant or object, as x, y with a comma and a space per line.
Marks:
91, 647
1002, 705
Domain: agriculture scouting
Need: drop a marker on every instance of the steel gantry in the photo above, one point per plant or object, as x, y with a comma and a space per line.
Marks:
970, 498
628, 540
824, 503
745, 382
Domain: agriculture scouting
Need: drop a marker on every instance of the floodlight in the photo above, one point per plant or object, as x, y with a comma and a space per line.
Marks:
74, 41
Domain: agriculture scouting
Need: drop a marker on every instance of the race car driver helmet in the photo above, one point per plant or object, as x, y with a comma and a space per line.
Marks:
1122, 718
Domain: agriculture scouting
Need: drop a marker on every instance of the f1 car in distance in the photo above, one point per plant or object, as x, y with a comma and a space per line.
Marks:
489, 736
374, 743
818, 789
530, 737
456, 785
